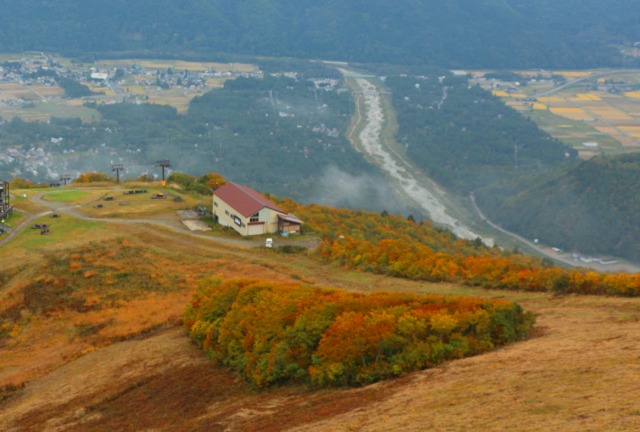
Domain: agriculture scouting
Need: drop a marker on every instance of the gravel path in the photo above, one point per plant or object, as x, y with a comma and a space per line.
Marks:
172, 224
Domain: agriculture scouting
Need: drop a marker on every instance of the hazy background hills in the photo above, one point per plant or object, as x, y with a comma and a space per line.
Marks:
453, 33
592, 208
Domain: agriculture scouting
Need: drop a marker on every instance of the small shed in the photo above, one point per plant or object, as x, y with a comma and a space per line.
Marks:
289, 224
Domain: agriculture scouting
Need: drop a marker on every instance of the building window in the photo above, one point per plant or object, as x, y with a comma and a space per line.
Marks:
226, 212
215, 204
254, 217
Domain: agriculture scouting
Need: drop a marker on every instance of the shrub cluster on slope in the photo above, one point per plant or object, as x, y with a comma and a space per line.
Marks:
273, 333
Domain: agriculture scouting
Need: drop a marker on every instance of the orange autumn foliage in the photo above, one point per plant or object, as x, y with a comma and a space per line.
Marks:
274, 332
388, 244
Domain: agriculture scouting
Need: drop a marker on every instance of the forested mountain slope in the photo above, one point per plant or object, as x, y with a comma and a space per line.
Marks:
594, 208
467, 139
455, 33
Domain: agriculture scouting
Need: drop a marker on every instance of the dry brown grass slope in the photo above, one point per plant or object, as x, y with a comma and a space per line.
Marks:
580, 371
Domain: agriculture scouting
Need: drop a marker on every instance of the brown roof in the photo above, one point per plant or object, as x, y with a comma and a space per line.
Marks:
290, 218
244, 200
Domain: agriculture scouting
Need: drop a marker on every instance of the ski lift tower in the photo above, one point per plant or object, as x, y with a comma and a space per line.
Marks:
164, 164
5, 204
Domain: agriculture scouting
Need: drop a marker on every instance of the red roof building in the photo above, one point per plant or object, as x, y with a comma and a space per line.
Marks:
250, 213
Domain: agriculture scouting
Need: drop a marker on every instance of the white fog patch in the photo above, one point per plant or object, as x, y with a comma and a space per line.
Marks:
337, 188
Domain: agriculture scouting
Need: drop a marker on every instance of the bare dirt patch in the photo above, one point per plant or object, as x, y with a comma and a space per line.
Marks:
164, 383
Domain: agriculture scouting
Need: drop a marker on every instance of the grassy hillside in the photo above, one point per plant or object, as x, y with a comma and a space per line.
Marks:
106, 352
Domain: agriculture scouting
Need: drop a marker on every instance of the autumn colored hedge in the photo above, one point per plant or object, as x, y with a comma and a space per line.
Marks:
272, 332
92, 177
388, 244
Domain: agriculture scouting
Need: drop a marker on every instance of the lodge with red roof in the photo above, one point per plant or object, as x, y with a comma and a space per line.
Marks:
250, 213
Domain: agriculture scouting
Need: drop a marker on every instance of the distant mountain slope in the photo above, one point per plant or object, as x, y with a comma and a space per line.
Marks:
467, 139
594, 208
453, 33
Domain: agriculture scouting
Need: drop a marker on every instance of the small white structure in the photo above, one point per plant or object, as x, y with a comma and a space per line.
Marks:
99, 76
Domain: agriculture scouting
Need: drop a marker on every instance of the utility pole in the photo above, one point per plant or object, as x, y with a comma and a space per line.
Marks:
117, 168
163, 164
65, 178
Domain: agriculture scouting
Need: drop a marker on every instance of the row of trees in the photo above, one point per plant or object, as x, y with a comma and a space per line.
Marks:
273, 332
392, 245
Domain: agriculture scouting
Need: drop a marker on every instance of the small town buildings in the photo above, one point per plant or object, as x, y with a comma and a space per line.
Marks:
250, 213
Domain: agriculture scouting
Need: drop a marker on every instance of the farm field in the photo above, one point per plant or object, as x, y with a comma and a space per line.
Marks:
118, 359
600, 114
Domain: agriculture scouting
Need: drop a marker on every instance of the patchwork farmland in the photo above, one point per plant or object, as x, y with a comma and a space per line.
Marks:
597, 112
27, 90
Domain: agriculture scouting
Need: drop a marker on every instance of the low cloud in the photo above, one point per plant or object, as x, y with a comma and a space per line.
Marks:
337, 188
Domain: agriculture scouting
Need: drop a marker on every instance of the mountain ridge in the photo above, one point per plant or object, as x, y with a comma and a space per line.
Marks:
454, 34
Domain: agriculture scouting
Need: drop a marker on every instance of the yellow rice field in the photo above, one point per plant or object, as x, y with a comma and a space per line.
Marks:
550, 99
608, 117
572, 113
584, 97
630, 129
177, 65
573, 74
608, 130
136, 89
501, 93
609, 113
